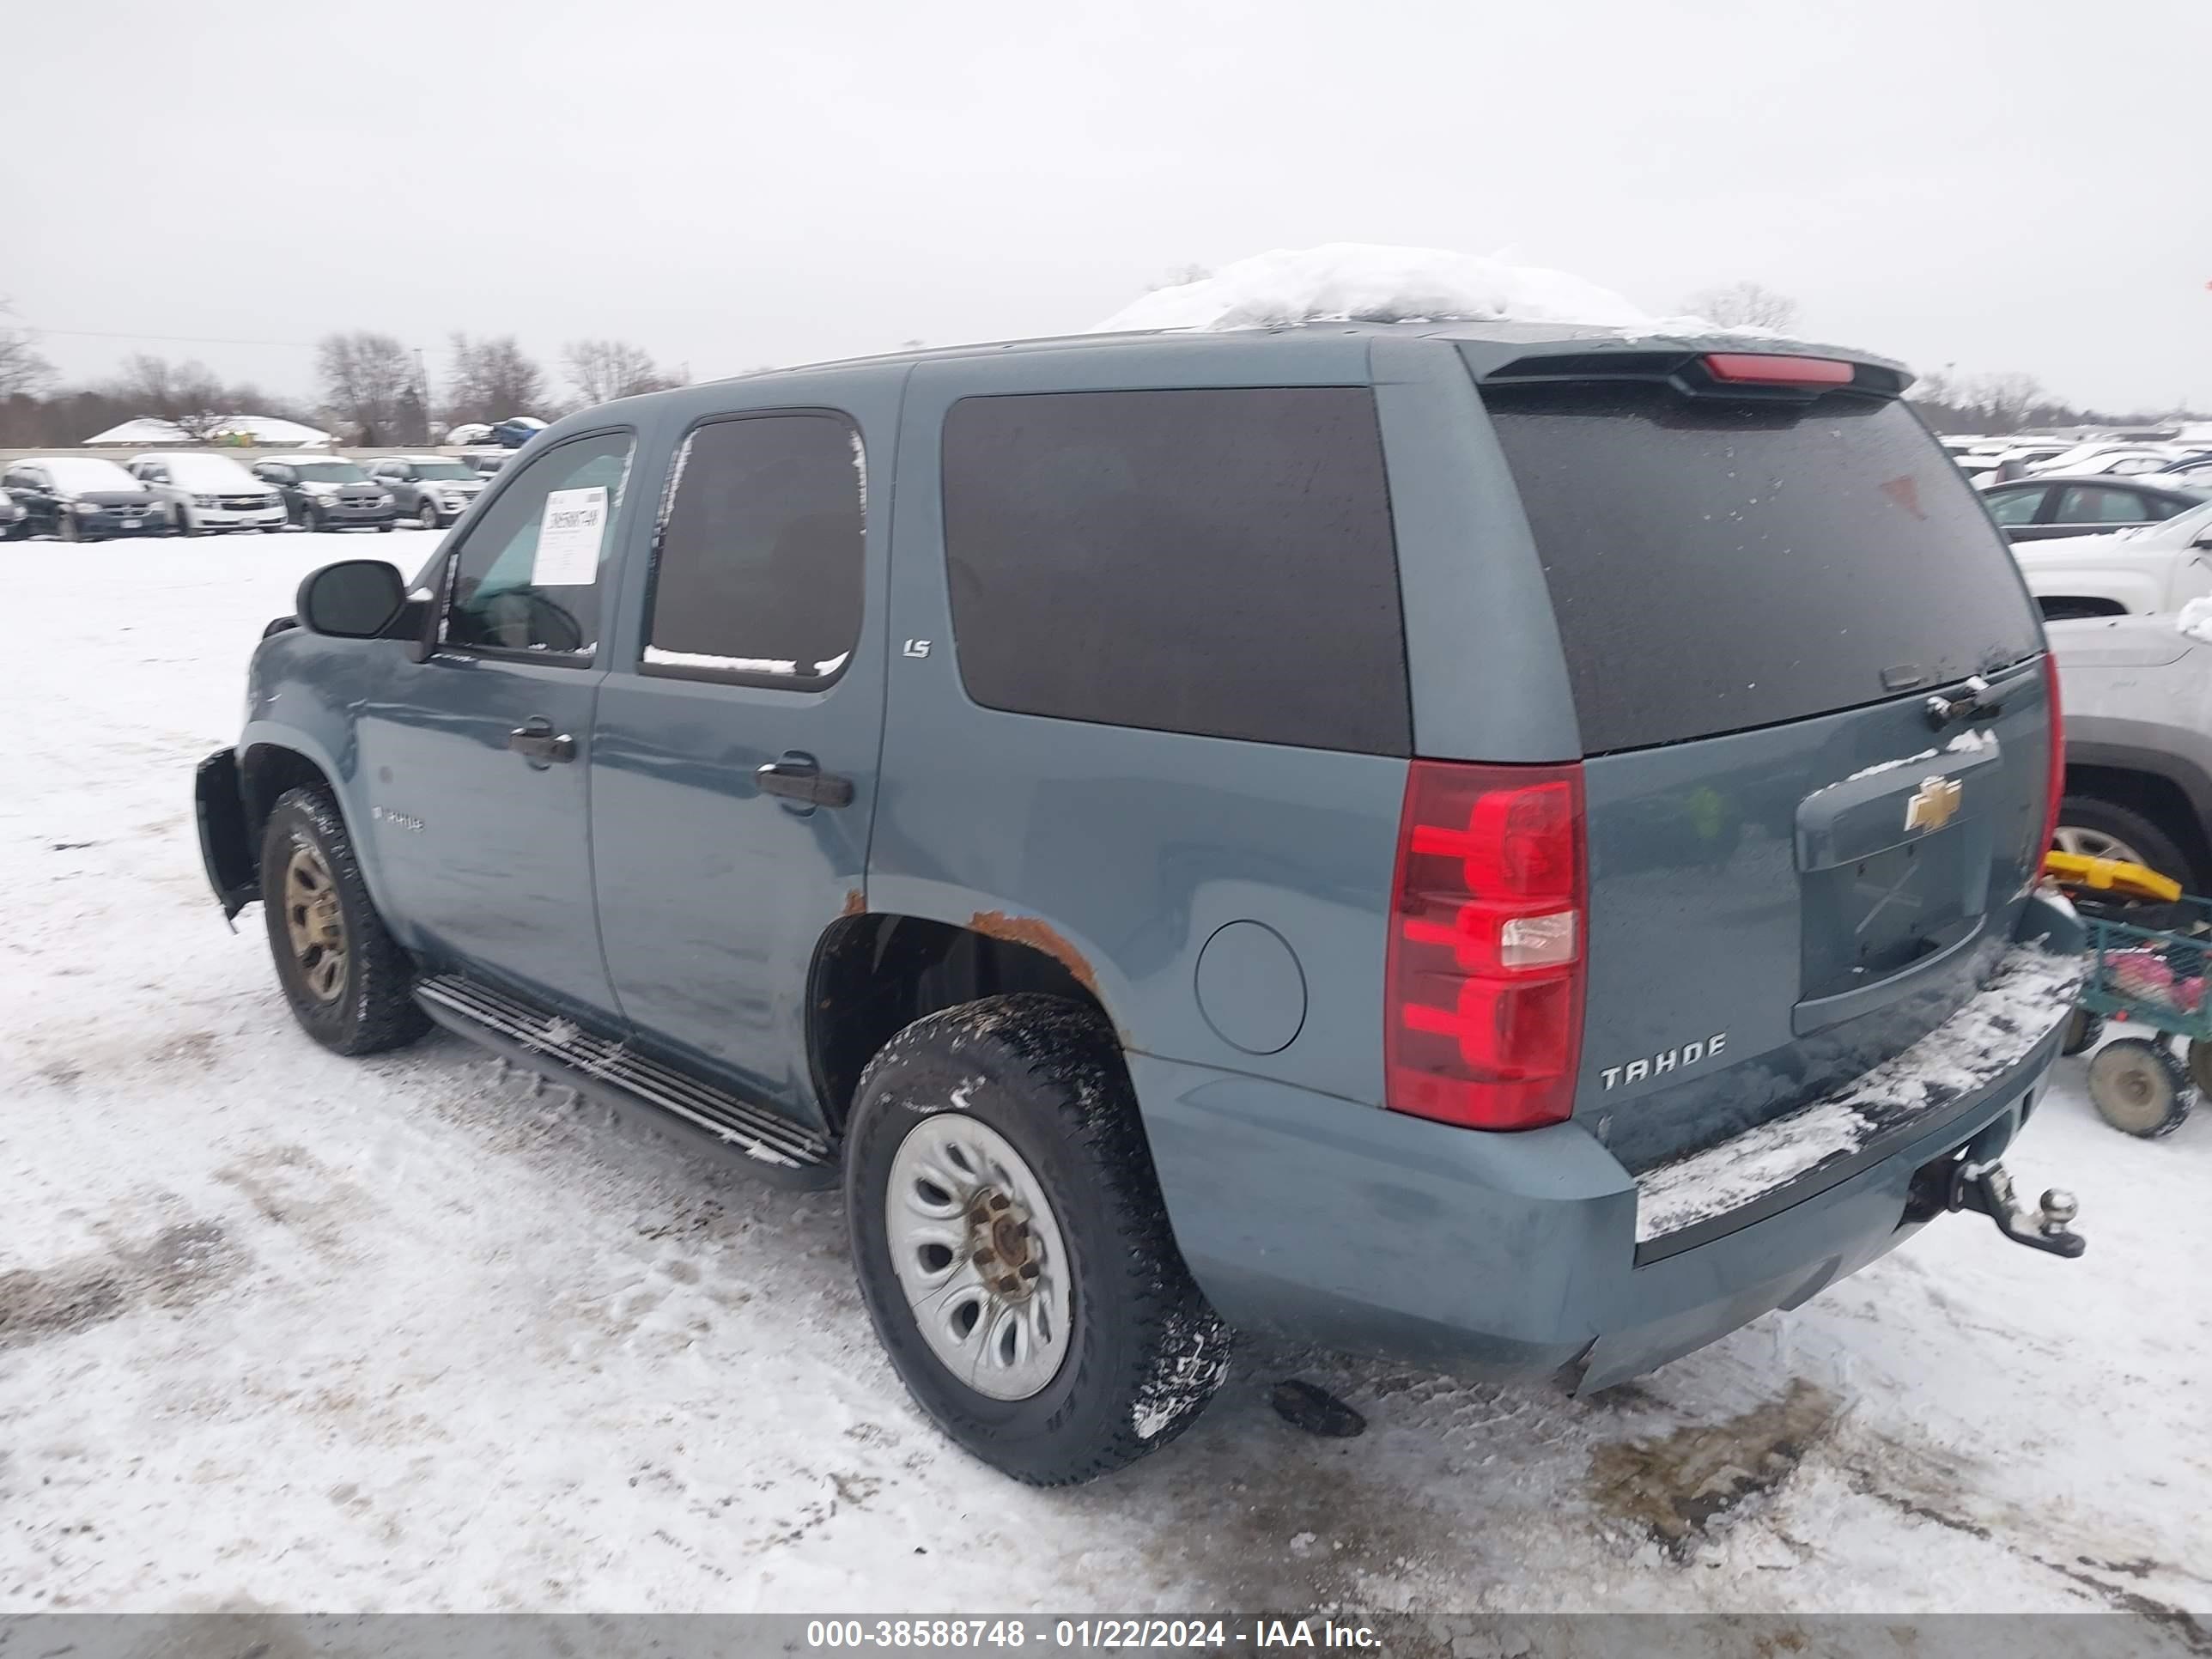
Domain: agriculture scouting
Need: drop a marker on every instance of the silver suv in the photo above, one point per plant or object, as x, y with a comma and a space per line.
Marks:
433, 490
2137, 694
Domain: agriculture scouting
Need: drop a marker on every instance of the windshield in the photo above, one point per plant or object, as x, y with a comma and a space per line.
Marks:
81, 473
1716, 566
329, 472
207, 472
443, 470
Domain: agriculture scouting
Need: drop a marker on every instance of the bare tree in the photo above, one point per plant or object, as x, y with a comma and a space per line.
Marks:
363, 374
24, 370
493, 378
2003, 401
186, 395
603, 370
1741, 304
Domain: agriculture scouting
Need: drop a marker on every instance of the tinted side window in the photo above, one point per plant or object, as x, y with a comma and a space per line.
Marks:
1212, 561
2088, 504
759, 572
527, 576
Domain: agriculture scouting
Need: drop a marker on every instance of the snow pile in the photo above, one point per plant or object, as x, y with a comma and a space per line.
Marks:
2196, 620
1365, 283
264, 430
2030, 994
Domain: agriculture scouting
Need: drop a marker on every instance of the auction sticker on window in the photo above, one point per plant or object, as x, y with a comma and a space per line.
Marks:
569, 538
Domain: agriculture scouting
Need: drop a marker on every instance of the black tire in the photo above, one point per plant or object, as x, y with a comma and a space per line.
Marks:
310, 520
2139, 1088
2082, 1031
385, 526
1145, 1352
373, 1007
426, 515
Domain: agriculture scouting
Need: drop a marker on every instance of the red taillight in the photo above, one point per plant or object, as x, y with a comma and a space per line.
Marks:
1484, 995
1750, 369
2055, 781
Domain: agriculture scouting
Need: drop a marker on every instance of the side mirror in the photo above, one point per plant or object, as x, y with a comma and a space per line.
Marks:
352, 599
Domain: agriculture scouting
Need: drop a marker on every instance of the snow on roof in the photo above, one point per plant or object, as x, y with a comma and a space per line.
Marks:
1366, 283
255, 428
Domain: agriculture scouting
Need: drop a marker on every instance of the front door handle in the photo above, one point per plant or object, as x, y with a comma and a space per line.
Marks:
801, 778
537, 742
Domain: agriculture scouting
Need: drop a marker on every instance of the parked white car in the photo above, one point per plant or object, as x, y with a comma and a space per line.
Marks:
205, 492
2158, 567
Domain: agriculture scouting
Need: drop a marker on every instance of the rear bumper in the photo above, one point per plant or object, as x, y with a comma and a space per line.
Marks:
1329, 1222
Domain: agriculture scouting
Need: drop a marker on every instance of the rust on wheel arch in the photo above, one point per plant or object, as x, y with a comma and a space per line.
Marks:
1039, 935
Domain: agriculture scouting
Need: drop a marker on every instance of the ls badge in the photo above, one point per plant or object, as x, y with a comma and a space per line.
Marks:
1934, 803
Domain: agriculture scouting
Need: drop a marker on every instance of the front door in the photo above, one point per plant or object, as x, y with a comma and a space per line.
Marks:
476, 760
735, 754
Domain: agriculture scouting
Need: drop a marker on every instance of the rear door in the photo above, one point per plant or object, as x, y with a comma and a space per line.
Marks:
735, 753
2099, 509
1796, 869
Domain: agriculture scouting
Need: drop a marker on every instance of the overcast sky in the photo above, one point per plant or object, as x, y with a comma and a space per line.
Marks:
1996, 186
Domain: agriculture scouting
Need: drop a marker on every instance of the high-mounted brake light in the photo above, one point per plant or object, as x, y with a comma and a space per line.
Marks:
2055, 779
1759, 368
1486, 963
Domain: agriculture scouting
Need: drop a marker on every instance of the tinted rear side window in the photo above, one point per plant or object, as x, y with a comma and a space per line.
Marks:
1211, 562
1715, 566
759, 573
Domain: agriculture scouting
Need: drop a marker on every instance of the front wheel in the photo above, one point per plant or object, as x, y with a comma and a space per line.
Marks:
1011, 1246
2139, 1088
427, 515
349, 982
69, 529
310, 520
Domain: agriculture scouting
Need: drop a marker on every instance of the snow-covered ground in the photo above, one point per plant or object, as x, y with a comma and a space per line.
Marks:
281, 1330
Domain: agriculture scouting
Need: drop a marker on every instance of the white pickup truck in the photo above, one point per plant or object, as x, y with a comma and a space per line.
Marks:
2157, 567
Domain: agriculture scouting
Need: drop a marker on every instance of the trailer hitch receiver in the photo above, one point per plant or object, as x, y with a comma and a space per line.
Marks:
1987, 1187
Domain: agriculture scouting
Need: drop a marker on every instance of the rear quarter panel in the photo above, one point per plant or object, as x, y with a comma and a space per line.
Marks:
1123, 851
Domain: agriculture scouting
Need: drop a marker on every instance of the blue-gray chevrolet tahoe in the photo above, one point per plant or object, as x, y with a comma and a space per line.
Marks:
1511, 846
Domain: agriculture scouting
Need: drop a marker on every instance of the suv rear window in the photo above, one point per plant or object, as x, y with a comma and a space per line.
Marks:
1217, 561
1717, 566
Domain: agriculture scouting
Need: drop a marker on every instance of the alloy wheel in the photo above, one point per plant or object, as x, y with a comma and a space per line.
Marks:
315, 923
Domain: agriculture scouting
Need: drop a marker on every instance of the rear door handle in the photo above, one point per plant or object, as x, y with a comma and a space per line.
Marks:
801, 778
537, 741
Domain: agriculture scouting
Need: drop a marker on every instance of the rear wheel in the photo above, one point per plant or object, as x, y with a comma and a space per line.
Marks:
2139, 1088
1011, 1246
349, 982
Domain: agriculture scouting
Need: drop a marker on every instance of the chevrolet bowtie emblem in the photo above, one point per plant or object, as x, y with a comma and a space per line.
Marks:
1933, 804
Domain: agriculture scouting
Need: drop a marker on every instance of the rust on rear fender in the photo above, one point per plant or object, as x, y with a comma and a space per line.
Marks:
1039, 935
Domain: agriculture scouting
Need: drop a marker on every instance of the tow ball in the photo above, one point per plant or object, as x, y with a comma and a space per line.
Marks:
1988, 1188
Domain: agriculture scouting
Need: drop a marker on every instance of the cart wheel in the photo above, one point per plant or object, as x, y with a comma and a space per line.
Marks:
2200, 1066
2140, 1088
2082, 1031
